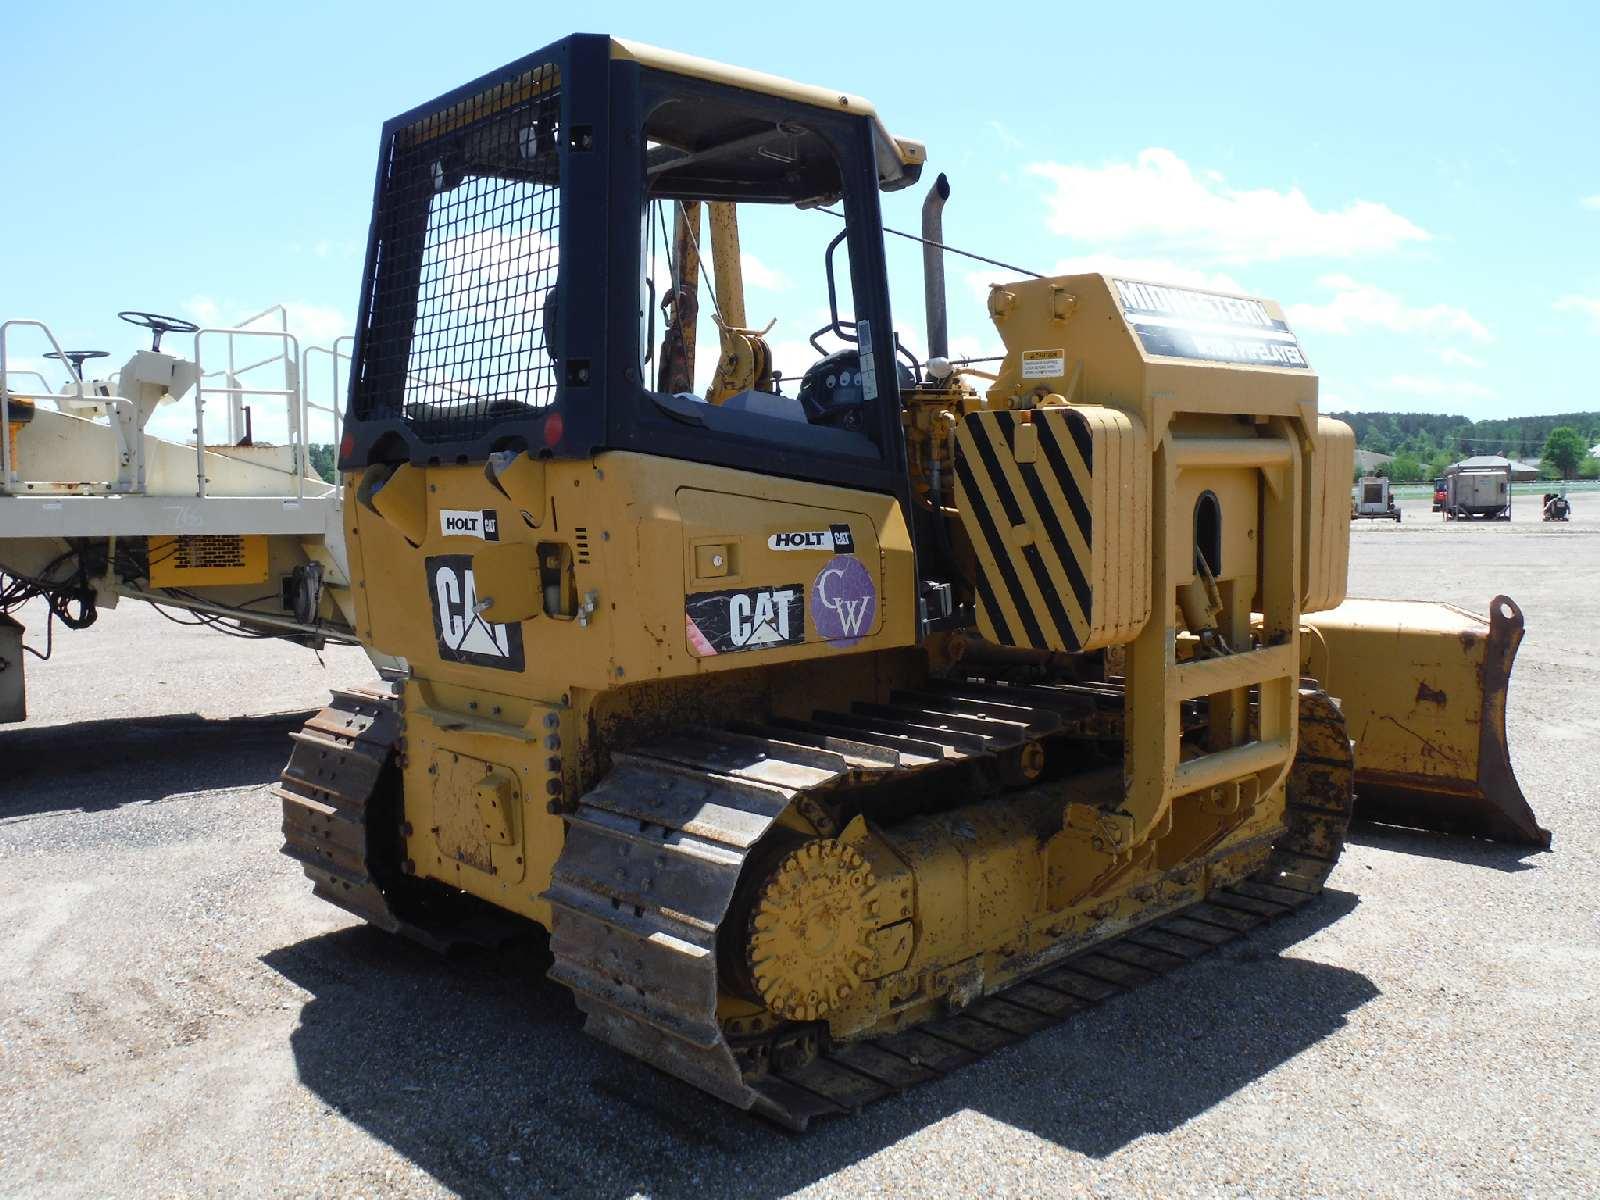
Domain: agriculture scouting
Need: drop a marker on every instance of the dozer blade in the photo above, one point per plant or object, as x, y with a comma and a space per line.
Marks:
1423, 690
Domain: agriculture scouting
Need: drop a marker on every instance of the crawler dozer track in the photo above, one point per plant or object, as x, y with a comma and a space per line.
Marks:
655, 853
342, 823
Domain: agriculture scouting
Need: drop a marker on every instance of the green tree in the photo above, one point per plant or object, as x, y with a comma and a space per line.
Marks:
1565, 449
322, 461
1405, 468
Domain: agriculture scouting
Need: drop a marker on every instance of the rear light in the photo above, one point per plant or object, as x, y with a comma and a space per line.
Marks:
347, 446
553, 428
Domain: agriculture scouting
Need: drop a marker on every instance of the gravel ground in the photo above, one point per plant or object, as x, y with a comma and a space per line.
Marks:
178, 1015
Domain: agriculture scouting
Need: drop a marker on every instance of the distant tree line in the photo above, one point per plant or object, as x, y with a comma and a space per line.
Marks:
1424, 444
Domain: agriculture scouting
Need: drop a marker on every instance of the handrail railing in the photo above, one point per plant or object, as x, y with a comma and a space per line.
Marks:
230, 373
292, 394
336, 354
8, 475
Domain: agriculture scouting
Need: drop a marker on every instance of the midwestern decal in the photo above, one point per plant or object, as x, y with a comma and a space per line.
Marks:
836, 539
481, 523
844, 601
1179, 323
745, 619
464, 636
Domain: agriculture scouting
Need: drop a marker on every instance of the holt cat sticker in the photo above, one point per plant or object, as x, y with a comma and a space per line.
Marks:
835, 538
470, 522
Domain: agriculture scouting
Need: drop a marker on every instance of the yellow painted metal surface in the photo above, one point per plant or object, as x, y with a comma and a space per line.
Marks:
885, 924
1233, 458
1423, 687
1056, 503
901, 152
610, 591
1329, 464
207, 560
636, 529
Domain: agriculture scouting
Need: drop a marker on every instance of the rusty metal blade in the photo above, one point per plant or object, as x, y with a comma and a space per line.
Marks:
1423, 690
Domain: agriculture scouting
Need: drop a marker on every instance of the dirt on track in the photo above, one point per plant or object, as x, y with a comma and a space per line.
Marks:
178, 1016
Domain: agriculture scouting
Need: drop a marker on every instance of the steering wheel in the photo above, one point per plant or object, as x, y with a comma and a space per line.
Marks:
77, 358
157, 324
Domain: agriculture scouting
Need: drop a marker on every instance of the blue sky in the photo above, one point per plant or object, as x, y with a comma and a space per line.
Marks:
1417, 184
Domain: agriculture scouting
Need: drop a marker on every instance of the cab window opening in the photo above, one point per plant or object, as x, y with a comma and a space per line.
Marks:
770, 330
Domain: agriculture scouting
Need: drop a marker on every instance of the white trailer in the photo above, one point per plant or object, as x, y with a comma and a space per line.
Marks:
232, 525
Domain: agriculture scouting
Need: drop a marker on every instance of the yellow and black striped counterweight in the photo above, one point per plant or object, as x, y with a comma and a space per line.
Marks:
1056, 502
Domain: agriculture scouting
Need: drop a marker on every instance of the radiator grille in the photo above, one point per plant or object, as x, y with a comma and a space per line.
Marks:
461, 314
207, 560
220, 550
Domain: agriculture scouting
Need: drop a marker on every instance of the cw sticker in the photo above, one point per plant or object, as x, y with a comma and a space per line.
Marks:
464, 636
844, 601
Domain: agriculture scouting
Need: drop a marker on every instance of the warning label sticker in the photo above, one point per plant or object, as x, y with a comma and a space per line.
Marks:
1044, 364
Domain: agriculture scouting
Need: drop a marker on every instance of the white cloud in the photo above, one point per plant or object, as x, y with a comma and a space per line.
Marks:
758, 275
1452, 357
1589, 305
22, 370
1591, 201
1004, 135
203, 309
1356, 304
1160, 200
316, 324
980, 281
1431, 387
311, 324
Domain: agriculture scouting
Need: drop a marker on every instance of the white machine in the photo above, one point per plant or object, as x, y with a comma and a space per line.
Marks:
104, 498
1372, 499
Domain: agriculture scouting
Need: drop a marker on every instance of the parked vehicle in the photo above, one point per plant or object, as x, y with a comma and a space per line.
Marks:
1373, 499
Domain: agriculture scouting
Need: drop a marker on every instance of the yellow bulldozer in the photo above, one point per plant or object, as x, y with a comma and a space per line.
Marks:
841, 714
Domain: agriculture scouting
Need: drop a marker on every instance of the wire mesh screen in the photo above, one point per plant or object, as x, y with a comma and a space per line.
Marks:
462, 312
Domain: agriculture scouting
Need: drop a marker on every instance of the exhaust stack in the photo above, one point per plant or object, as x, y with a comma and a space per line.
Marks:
933, 267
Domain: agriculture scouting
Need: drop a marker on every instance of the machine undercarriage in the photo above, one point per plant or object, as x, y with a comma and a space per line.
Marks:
765, 936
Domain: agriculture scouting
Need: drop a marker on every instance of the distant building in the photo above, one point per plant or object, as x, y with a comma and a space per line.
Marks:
1594, 451
1525, 469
